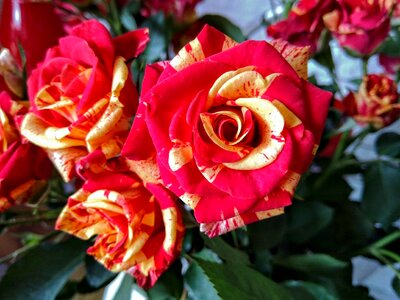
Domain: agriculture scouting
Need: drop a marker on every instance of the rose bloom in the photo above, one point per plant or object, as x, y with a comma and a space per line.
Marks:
82, 95
25, 168
229, 122
304, 24
376, 102
359, 25
138, 225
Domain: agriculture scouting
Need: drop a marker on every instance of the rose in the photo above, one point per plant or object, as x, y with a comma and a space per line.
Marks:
229, 123
138, 225
360, 26
24, 167
304, 24
82, 95
376, 102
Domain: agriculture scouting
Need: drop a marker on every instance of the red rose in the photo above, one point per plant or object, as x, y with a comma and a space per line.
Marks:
82, 95
24, 167
32, 25
359, 25
138, 225
375, 103
304, 24
229, 122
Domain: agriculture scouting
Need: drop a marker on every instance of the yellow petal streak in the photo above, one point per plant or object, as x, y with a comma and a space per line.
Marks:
170, 217
188, 55
271, 124
114, 110
245, 84
38, 132
180, 154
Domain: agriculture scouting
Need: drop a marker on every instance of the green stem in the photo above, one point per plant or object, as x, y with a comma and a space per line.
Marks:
360, 138
383, 259
390, 254
365, 66
235, 239
332, 166
28, 247
48, 216
385, 240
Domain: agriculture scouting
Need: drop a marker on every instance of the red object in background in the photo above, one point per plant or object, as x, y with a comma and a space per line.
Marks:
33, 26
375, 103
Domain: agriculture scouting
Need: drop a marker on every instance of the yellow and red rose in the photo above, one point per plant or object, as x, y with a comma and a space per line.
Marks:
376, 102
304, 24
138, 224
25, 168
360, 25
82, 96
232, 127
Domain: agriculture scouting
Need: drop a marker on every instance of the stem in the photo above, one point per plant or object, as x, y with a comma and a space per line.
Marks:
48, 216
385, 240
383, 259
333, 164
184, 294
390, 254
25, 248
360, 138
365, 66
235, 239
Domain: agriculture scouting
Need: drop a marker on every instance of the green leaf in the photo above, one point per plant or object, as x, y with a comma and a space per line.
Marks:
308, 291
350, 230
321, 264
388, 144
208, 255
125, 288
225, 26
43, 271
128, 21
381, 193
226, 251
333, 274
237, 281
96, 274
268, 233
198, 285
391, 45
170, 285
157, 47
306, 219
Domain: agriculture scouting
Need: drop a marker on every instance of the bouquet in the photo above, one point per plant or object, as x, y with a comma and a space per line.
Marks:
143, 139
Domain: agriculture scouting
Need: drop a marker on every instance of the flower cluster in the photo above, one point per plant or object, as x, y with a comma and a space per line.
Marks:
360, 26
222, 132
